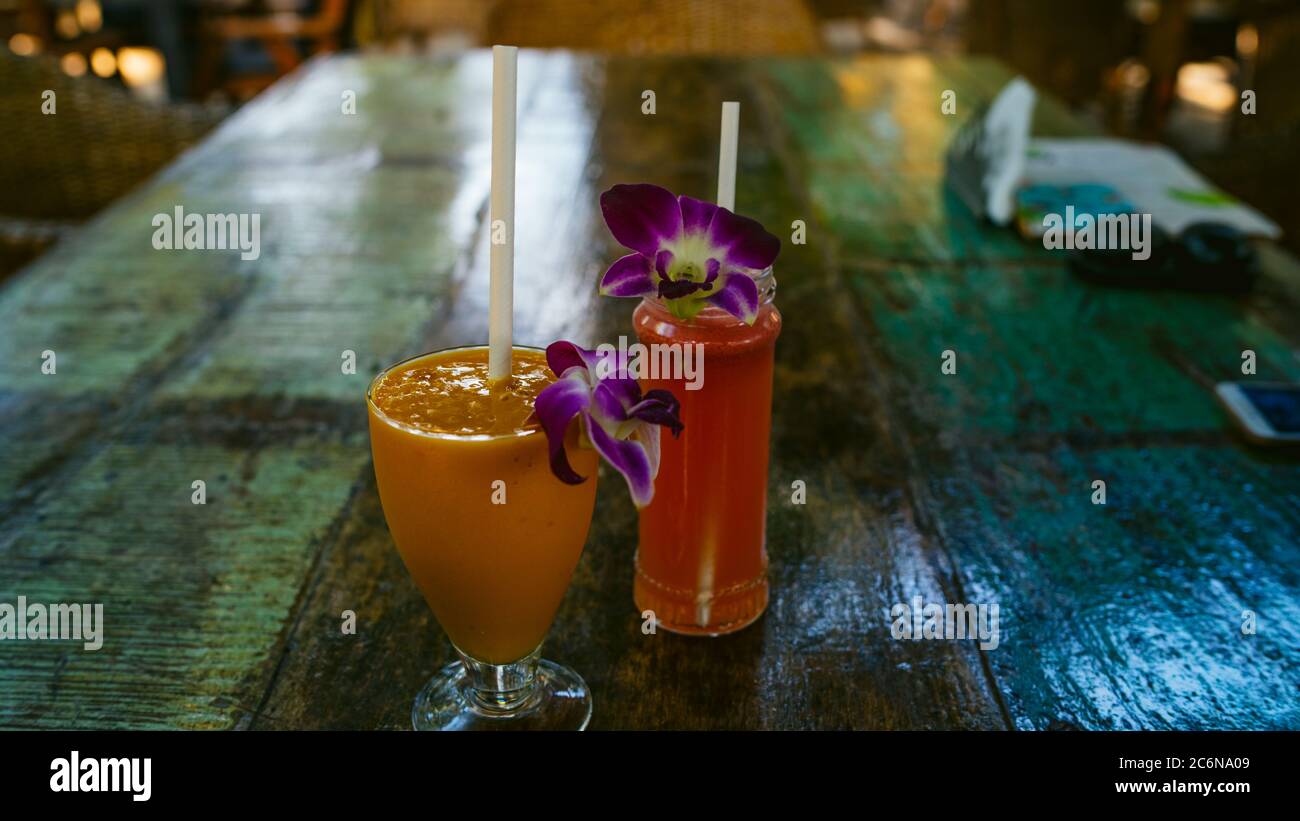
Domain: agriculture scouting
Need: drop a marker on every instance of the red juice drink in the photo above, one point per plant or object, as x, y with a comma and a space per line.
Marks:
701, 563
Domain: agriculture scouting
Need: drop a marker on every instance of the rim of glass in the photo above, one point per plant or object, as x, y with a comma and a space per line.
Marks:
460, 437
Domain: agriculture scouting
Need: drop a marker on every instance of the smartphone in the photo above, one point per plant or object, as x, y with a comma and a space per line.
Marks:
1269, 412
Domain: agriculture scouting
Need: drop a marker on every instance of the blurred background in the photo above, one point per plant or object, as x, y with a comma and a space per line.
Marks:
139, 80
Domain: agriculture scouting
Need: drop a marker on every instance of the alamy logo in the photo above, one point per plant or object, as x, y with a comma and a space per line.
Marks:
1102, 232
77, 774
674, 361
946, 621
52, 622
208, 232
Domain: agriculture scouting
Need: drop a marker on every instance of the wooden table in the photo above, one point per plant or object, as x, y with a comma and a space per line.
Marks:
174, 367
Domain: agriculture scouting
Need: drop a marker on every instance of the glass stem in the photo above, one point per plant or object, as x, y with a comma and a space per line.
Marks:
500, 689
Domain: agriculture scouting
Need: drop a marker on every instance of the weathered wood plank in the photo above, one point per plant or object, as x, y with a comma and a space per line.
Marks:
194, 596
1120, 616
1130, 615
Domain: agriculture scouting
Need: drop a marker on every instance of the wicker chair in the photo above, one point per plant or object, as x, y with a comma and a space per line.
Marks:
675, 27
57, 169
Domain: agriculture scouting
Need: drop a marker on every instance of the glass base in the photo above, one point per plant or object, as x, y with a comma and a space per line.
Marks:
558, 699
689, 614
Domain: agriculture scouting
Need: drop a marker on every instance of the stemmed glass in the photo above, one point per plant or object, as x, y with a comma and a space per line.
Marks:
488, 533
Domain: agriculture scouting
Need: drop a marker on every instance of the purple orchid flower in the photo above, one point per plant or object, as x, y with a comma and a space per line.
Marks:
621, 423
689, 253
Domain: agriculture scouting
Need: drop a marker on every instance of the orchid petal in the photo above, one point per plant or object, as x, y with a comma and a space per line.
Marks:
642, 217
649, 435
742, 241
624, 386
555, 407
628, 276
738, 296
712, 267
696, 214
629, 457
563, 355
609, 399
663, 261
659, 407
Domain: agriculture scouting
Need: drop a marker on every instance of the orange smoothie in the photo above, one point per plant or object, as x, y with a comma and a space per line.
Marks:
489, 534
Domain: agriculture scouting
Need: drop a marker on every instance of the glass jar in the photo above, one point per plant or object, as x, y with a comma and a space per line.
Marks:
701, 563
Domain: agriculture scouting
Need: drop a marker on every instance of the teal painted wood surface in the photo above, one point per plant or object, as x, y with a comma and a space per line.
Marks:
183, 366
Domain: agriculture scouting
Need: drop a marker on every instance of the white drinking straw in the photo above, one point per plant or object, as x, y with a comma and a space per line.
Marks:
727, 156
727, 199
505, 60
